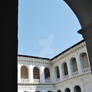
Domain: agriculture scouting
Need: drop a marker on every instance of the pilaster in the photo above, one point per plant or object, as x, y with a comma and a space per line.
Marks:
79, 64
69, 69
42, 78
31, 73
61, 72
19, 73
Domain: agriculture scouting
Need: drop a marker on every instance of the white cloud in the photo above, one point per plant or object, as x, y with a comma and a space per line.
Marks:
46, 46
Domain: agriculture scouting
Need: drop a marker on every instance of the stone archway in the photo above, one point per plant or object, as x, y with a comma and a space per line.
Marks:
83, 11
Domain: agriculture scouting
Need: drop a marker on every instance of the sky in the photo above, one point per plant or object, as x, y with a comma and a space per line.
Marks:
46, 28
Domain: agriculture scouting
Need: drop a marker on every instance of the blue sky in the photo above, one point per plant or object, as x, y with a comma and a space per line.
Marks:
46, 27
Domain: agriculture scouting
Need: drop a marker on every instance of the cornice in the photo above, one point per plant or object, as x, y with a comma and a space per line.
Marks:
32, 60
33, 84
70, 51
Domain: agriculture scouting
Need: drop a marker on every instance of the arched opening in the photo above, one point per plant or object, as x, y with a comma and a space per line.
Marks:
65, 69
24, 72
59, 91
47, 73
77, 89
67, 90
57, 72
36, 73
73, 63
84, 60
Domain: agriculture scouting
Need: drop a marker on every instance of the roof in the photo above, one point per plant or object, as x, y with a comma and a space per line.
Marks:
33, 57
54, 56
67, 49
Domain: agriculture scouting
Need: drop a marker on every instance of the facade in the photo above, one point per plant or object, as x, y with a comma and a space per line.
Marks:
67, 72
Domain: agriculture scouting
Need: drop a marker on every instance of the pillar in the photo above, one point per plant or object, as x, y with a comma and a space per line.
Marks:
69, 69
52, 74
42, 78
19, 73
79, 64
61, 72
31, 80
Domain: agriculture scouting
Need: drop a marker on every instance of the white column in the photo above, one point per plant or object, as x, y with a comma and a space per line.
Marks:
42, 78
72, 89
79, 64
61, 72
69, 69
31, 73
19, 73
53, 78
62, 90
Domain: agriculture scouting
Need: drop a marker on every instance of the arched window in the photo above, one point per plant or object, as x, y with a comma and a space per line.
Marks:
59, 91
73, 63
84, 60
77, 89
65, 69
24, 72
57, 72
36, 73
67, 90
47, 73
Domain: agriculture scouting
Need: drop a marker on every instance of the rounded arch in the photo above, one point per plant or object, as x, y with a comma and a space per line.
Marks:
59, 90
36, 73
73, 64
57, 72
84, 60
77, 89
67, 90
24, 72
65, 69
47, 73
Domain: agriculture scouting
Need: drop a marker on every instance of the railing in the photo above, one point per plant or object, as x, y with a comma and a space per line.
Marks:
36, 80
47, 80
74, 73
24, 80
66, 76
57, 79
86, 69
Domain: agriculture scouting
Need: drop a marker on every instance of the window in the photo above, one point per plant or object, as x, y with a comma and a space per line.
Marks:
57, 72
24, 72
65, 70
47, 73
84, 60
73, 65
36, 73
59, 91
77, 89
67, 90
